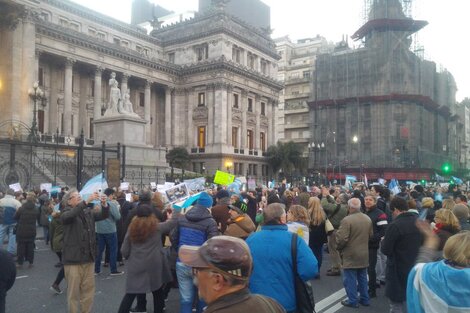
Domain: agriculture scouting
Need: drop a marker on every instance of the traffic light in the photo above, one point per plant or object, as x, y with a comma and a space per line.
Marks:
446, 168
423, 182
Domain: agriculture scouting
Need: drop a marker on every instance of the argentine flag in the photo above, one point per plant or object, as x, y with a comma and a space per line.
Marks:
394, 187
93, 185
457, 180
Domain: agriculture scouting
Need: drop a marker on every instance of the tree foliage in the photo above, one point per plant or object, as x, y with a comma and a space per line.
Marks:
178, 157
285, 157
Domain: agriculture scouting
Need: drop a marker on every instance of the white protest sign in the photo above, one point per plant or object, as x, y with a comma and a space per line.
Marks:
46, 186
153, 185
124, 185
128, 197
16, 187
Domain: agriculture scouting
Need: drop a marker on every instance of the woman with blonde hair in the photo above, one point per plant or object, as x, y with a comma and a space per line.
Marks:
297, 221
448, 204
446, 225
317, 235
442, 285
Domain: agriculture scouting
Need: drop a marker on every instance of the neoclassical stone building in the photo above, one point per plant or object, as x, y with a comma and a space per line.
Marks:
207, 84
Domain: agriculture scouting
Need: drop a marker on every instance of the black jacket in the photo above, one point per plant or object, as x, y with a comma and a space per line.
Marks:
79, 243
27, 216
379, 224
7, 270
401, 245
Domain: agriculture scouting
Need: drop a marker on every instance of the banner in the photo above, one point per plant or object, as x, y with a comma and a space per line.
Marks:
16, 187
196, 184
46, 186
223, 178
124, 186
394, 187
177, 193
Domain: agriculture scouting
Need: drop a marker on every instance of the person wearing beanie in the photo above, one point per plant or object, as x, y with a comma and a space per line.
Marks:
462, 213
220, 211
194, 228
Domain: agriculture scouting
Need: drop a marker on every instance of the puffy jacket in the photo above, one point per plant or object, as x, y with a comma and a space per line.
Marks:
273, 274
195, 227
79, 244
8, 207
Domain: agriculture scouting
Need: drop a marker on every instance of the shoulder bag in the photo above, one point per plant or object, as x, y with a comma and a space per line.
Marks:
304, 299
329, 228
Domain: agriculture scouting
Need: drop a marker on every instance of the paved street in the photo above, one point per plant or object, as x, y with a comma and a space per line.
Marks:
31, 293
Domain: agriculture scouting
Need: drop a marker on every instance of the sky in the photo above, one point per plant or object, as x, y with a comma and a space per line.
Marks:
443, 39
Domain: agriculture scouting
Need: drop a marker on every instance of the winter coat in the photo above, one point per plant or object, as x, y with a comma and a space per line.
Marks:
241, 227
108, 225
26, 216
243, 301
317, 235
329, 205
221, 216
352, 240
401, 246
194, 228
273, 274
44, 215
8, 207
148, 268
79, 244
7, 270
379, 224
121, 225
56, 233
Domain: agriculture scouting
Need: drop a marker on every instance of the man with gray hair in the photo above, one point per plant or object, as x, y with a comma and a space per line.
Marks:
352, 240
271, 250
8, 207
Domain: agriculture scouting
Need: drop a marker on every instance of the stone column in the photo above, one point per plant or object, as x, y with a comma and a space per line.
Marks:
220, 115
125, 78
271, 136
243, 106
53, 109
29, 69
97, 90
210, 114
168, 125
229, 116
82, 106
68, 96
148, 85
191, 106
258, 122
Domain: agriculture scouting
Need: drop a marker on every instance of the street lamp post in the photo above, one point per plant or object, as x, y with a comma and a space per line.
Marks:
35, 94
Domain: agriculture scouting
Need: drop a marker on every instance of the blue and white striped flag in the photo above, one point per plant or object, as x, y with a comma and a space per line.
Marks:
439, 178
457, 180
394, 187
93, 185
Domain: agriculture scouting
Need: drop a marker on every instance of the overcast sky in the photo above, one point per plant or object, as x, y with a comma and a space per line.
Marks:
444, 39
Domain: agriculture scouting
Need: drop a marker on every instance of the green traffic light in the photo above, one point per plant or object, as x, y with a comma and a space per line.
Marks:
446, 168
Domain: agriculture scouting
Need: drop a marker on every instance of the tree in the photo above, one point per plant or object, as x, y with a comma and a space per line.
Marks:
177, 157
285, 157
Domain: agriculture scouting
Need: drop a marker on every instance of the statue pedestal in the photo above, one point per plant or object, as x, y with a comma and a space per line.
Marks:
125, 129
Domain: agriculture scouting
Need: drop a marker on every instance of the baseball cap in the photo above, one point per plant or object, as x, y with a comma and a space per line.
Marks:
224, 254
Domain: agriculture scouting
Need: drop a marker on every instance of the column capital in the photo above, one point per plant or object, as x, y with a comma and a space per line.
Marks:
99, 70
69, 62
148, 83
244, 93
229, 88
257, 97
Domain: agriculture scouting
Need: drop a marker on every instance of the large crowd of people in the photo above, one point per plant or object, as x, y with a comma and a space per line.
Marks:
231, 250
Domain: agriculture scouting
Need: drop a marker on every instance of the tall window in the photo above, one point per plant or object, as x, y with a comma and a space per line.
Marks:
41, 76
263, 108
142, 99
262, 140
236, 52
92, 135
251, 61
250, 138
171, 57
41, 121
202, 52
250, 105
201, 137
235, 100
235, 137
92, 87
264, 67
201, 99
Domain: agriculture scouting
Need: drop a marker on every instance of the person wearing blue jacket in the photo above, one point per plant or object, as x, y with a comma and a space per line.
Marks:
273, 274
194, 228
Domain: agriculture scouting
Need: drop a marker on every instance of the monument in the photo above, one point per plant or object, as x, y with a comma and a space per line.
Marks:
120, 123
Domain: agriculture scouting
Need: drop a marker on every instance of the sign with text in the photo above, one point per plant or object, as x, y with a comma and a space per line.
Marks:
46, 186
16, 187
223, 178
124, 186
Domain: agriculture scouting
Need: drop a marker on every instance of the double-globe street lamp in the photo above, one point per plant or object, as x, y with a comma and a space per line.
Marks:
36, 94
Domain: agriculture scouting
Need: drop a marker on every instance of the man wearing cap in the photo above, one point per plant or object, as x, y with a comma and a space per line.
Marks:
272, 259
222, 269
194, 228
220, 211
107, 235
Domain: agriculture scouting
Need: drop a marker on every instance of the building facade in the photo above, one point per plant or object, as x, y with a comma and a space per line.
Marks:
380, 109
207, 84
